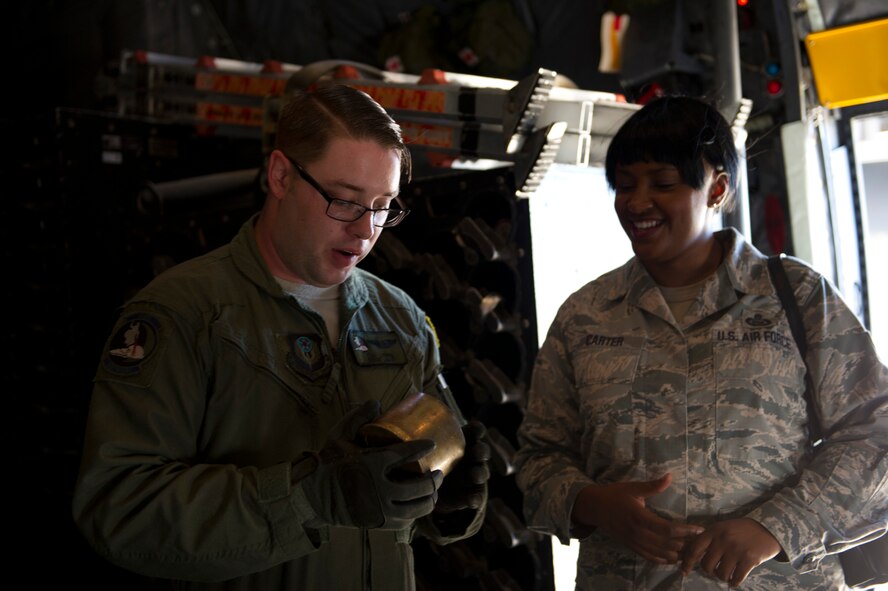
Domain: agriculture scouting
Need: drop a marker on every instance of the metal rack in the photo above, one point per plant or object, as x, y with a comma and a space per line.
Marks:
528, 124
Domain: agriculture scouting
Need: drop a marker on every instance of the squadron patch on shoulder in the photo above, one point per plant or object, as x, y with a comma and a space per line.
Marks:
133, 344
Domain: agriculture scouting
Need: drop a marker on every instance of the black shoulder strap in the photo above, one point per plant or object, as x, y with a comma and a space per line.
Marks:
794, 316
787, 297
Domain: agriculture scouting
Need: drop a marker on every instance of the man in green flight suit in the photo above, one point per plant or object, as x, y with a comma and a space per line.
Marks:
220, 447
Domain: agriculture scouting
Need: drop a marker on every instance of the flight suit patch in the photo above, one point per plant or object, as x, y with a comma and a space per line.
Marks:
306, 354
376, 348
133, 344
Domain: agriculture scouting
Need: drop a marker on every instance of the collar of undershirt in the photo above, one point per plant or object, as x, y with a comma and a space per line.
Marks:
683, 293
303, 291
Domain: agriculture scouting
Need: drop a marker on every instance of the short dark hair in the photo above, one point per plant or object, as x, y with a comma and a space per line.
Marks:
678, 130
310, 119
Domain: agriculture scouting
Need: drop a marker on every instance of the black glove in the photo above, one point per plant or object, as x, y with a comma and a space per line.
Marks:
464, 487
361, 487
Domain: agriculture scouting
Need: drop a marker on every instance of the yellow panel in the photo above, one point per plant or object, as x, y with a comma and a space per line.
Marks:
850, 64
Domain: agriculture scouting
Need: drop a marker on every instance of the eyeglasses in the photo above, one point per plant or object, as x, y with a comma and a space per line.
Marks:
349, 211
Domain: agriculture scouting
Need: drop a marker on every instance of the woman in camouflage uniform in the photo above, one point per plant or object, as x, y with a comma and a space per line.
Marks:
666, 426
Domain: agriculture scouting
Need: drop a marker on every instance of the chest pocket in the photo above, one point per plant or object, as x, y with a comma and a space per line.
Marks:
760, 408
605, 369
387, 367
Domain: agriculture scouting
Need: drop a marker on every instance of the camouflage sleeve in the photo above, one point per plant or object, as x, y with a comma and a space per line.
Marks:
549, 461
842, 494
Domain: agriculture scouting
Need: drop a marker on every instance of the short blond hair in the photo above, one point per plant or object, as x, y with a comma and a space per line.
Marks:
310, 119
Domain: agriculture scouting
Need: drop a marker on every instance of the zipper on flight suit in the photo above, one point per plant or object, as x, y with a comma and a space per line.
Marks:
336, 372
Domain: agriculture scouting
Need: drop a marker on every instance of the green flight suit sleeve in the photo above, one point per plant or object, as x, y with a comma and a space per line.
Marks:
446, 528
145, 500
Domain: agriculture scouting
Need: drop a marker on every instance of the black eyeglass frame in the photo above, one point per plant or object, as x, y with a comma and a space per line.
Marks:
399, 213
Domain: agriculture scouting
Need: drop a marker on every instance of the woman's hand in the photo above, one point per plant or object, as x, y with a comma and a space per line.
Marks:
729, 550
619, 510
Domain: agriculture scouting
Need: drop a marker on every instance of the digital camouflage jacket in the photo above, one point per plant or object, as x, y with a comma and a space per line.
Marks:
621, 392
